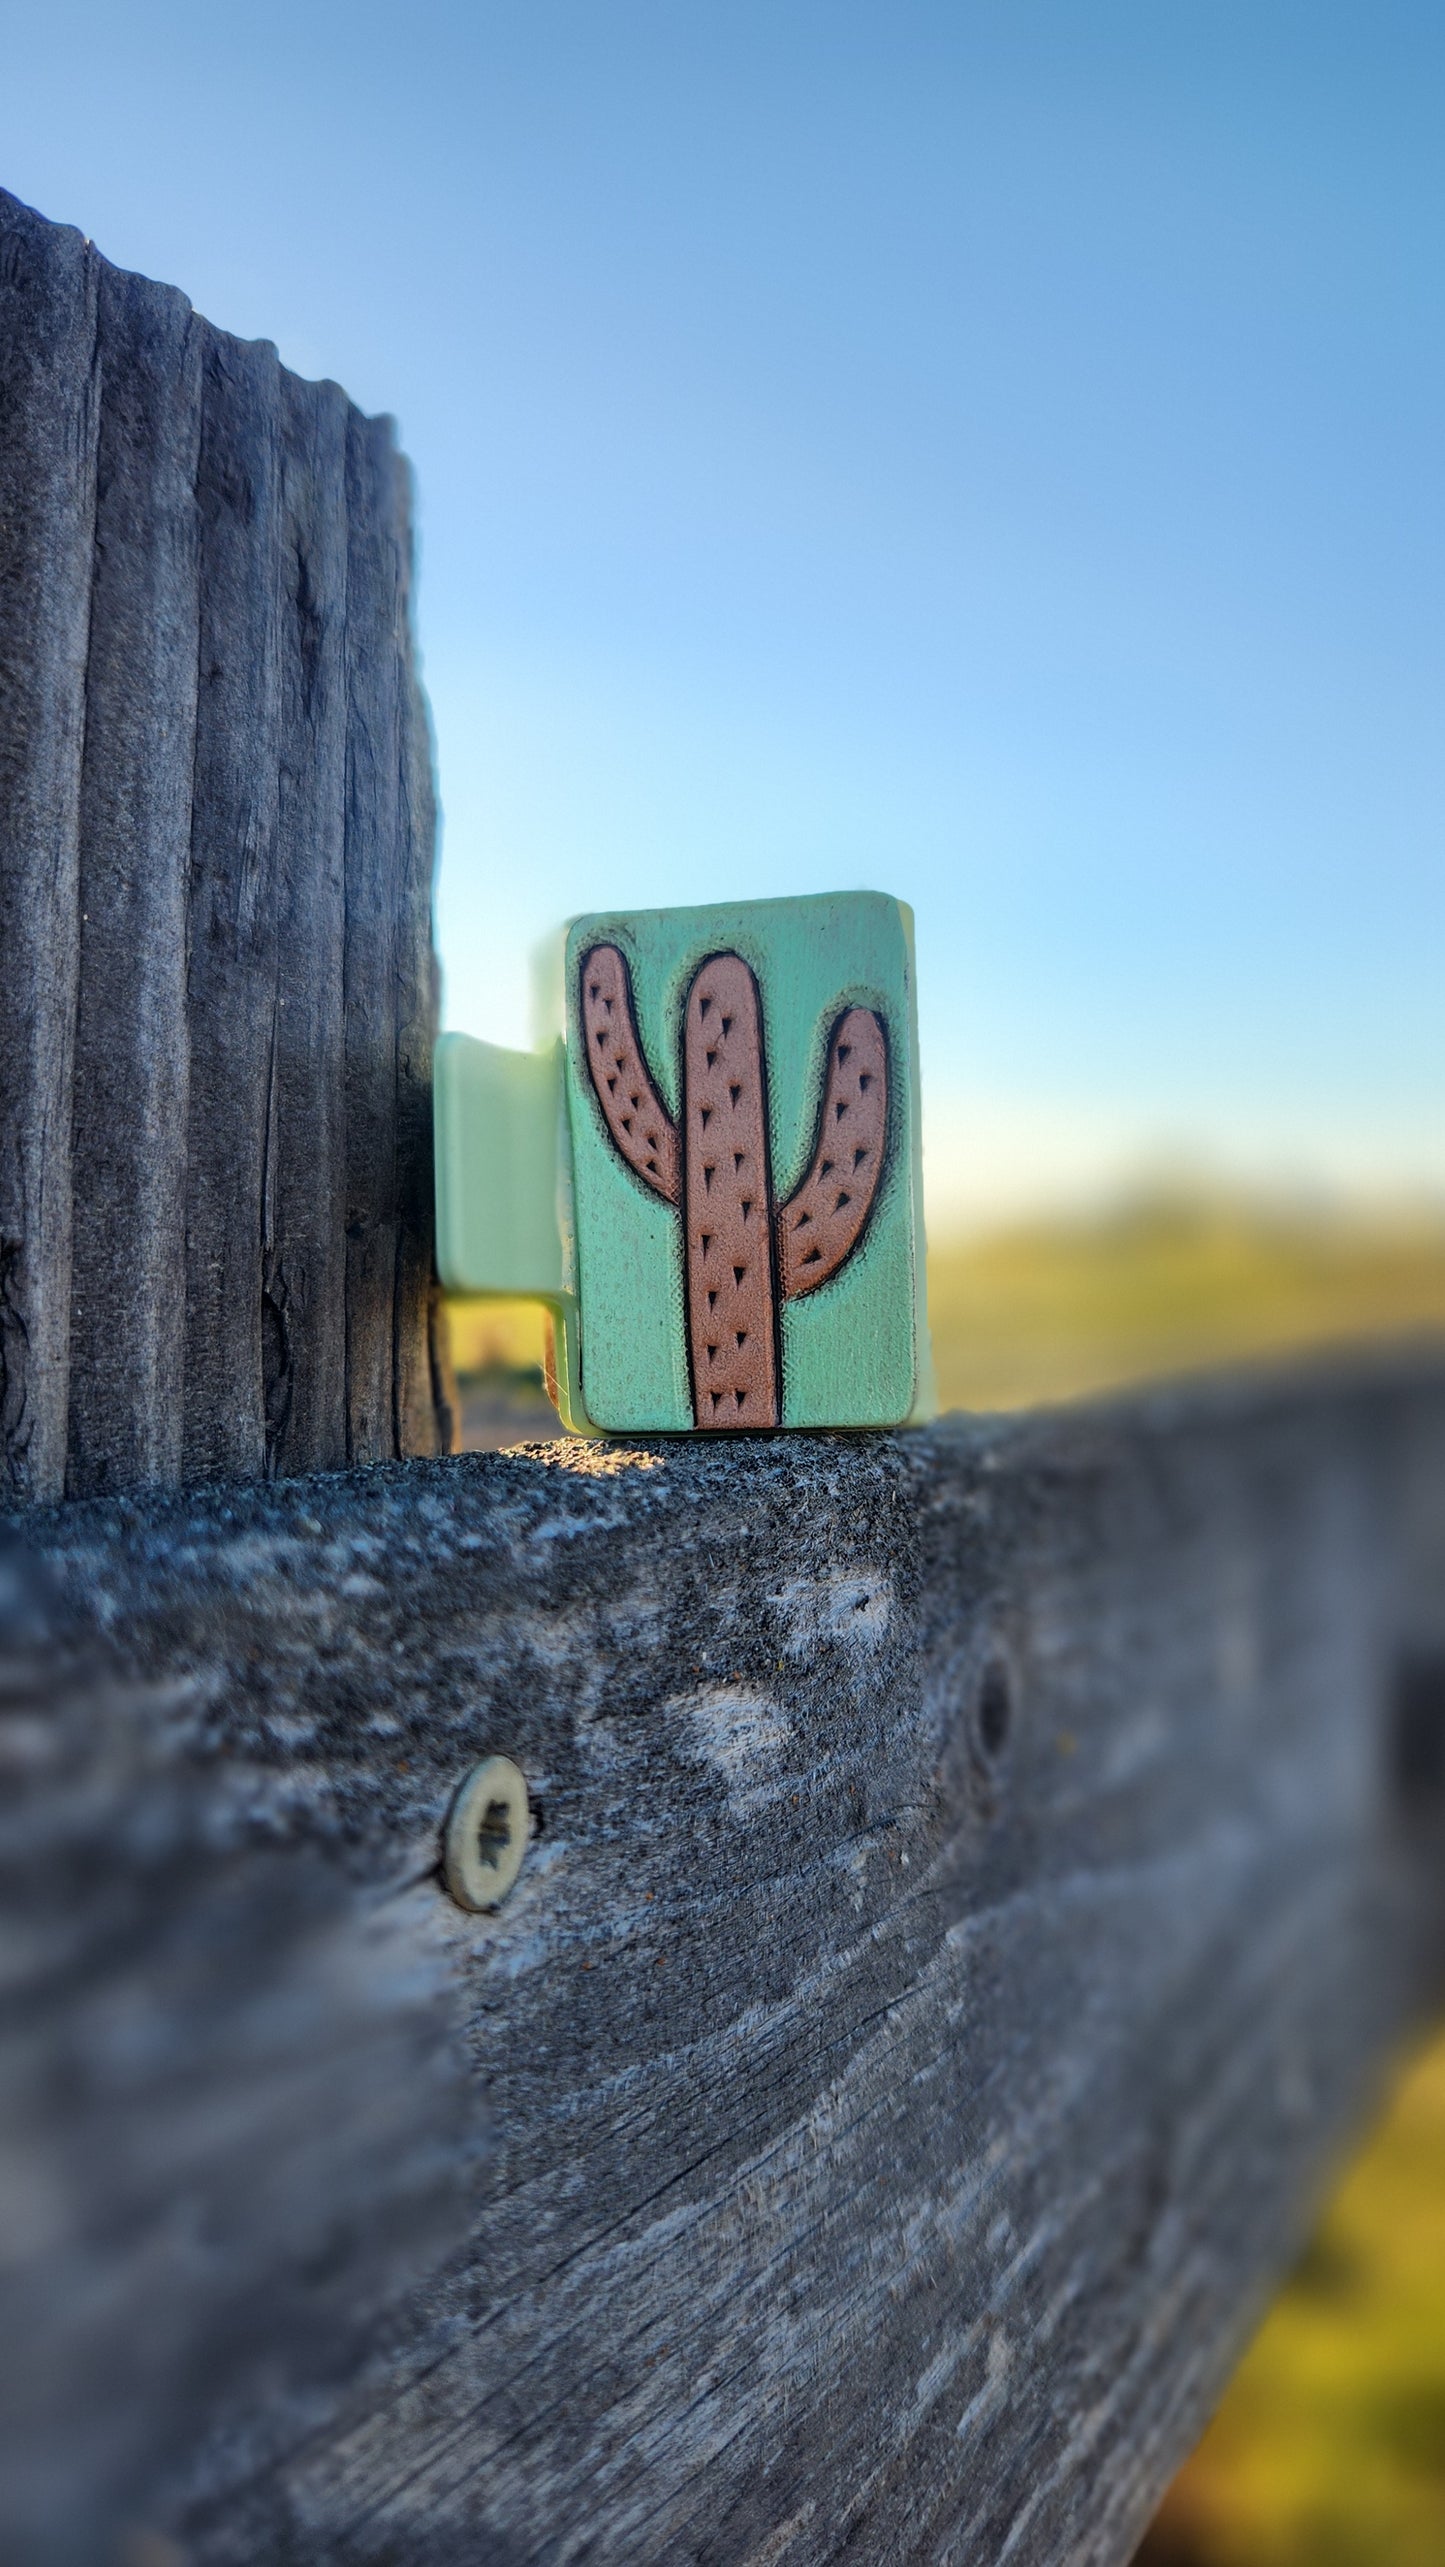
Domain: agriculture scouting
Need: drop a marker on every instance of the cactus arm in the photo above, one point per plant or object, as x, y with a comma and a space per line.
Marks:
822, 1223
727, 1202
643, 1132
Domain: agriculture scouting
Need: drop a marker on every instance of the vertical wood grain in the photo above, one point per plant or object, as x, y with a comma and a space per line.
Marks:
304, 1250
233, 909
47, 508
217, 830
423, 1410
132, 1044
375, 617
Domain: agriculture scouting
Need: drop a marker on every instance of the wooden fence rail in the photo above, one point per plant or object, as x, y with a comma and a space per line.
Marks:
977, 1877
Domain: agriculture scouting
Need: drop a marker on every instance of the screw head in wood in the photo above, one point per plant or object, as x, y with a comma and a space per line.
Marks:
486, 1836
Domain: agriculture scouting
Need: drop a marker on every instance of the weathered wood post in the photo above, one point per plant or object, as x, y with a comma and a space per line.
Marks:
216, 848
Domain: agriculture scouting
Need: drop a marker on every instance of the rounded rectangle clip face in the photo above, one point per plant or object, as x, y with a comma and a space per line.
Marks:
742, 1100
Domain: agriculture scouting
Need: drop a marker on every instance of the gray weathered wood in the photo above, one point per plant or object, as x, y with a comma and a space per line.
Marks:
230, 2132
425, 1400
233, 902
980, 1877
376, 599
132, 1042
305, 1262
47, 519
212, 743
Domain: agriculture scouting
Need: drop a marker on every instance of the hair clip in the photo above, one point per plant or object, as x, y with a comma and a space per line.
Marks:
713, 1183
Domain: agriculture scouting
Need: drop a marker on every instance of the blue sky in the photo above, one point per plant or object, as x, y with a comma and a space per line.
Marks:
988, 452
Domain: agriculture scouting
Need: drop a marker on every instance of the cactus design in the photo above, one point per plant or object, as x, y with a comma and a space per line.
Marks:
741, 1255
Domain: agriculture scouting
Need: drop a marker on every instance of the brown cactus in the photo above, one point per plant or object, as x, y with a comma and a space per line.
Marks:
741, 1256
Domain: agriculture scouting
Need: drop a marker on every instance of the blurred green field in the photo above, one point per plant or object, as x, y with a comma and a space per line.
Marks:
1163, 1283
1166, 1283
1329, 2449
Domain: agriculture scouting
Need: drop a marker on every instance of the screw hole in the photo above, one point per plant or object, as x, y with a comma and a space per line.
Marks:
995, 1708
1418, 1725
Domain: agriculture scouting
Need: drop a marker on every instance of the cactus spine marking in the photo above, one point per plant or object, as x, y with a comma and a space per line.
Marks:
741, 1256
